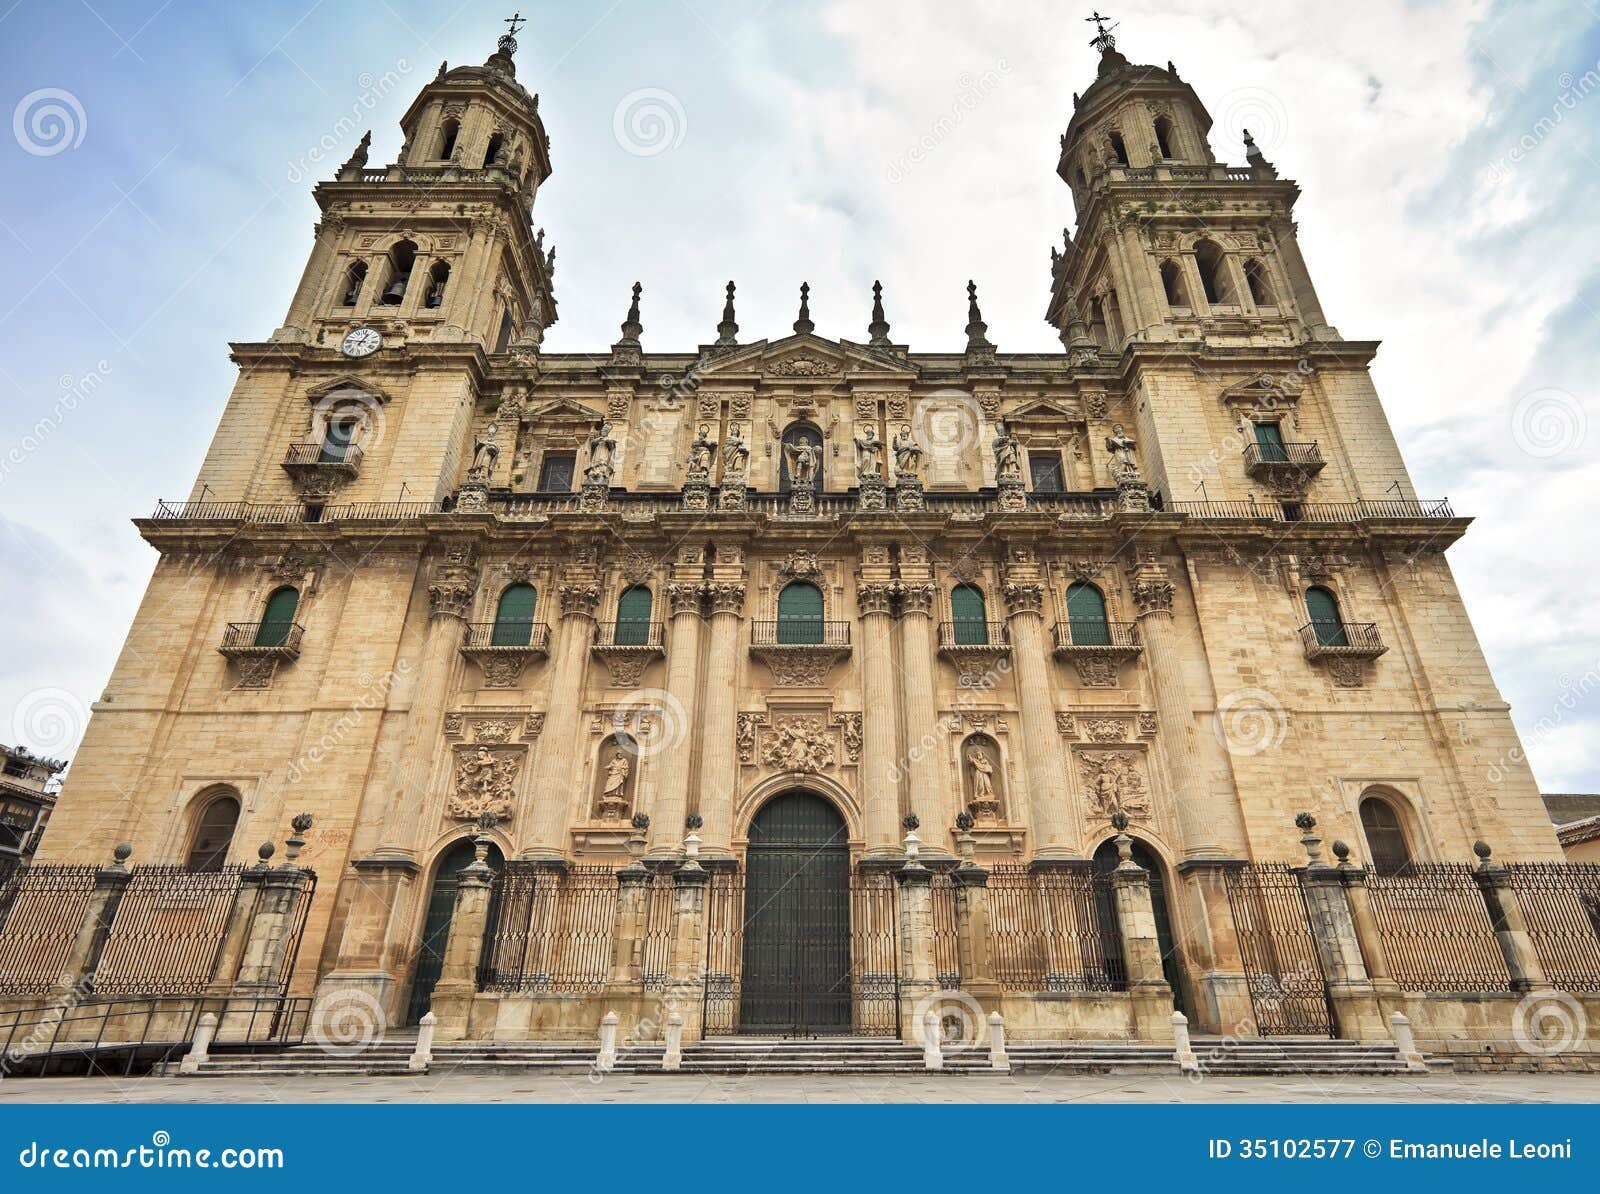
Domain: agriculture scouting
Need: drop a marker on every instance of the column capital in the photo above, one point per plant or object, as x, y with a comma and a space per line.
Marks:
726, 597
686, 598
1023, 596
874, 597
916, 597
579, 598
1152, 594
453, 583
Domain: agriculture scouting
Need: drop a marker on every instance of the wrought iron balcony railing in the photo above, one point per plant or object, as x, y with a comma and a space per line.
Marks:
644, 635
1324, 512
1094, 634
529, 638
953, 636
331, 455
276, 639
800, 632
1262, 460
1346, 640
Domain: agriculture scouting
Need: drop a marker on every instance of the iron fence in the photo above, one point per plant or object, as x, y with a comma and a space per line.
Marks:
1283, 970
1055, 930
1436, 929
656, 953
1561, 909
167, 931
724, 951
875, 953
946, 939
41, 912
549, 930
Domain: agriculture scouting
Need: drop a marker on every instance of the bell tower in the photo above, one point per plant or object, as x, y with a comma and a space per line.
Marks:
437, 247
1171, 245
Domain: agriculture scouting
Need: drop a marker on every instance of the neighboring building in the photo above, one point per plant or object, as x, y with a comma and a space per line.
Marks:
28, 787
1577, 820
780, 594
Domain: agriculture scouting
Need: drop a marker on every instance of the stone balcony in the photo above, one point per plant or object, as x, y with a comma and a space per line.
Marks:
1284, 466
627, 648
257, 648
503, 649
1097, 649
319, 470
1341, 640
800, 652
974, 647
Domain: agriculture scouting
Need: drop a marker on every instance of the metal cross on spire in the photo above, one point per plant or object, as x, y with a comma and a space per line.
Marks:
508, 40
1102, 41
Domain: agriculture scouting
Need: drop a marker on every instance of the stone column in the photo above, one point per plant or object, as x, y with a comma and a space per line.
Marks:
553, 781
918, 968
1373, 951
931, 793
879, 799
1148, 989
450, 592
683, 682
627, 934
1355, 1004
686, 994
1504, 904
463, 950
266, 945
1050, 816
110, 883
719, 758
975, 934
1305, 294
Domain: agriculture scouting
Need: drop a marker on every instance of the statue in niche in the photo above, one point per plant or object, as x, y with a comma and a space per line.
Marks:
602, 456
614, 791
702, 451
803, 460
1121, 445
869, 453
907, 453
985, 803
1007, 454
735, 455
485, 452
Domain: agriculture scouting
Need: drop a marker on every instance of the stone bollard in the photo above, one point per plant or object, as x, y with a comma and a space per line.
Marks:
198, 1052
606, 1060
1188, 1063
997, 1043
932, 1055
1406, 1043
423, 1057
673, 1057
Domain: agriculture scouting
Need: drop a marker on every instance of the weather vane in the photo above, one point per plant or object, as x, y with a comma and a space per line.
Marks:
508, 40
1102, 41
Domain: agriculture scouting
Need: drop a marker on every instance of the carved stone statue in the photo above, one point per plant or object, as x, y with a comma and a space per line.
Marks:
1121, 445
982, 773
485, 452
702, 451
907, 453
803, 460
798, 744
869, 453
735, 455
1007, 455
614, 792
602, 456
485, 783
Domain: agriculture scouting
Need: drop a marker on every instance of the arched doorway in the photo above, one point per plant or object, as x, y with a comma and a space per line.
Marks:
796, 974
436, 925
1105, 861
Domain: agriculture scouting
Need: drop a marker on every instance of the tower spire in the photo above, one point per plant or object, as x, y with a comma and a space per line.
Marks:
803, 325
727, 329
878, 329
631, 327
977, 340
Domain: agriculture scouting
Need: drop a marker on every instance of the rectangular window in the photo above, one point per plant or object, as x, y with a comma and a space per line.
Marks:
1045, 468
555, 472
1269, 441
336, 441
502, 340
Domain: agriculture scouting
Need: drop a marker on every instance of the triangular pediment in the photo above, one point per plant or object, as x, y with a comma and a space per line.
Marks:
1265, 387
805, 356
560, 408
1043, 408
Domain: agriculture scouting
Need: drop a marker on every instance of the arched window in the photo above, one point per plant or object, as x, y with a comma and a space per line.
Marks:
492, 154
438, 279
448, 133
1164, 139
1118, 147
1113, 319
1086, 616
633, 617
1097, 323
1255, 276
1213, 265
800, 613
969, 616
213, 833
277, 619
401, 260
502, 339
353, 278
795, 436
513, 617
1386, 837
1322, 609
1172, 283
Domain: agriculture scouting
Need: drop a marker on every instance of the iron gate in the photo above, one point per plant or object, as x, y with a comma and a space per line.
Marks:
1287, 989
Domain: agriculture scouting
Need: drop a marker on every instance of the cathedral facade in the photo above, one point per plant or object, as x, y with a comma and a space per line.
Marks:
834, 667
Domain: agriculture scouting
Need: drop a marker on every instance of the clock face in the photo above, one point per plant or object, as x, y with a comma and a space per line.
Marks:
361, 342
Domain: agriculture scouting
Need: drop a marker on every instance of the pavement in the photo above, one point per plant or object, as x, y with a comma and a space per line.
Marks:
446, 1087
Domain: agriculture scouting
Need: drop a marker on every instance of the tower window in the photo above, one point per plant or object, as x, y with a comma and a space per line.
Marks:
353, 279
1114, 319
1164, 136
438, 278
277, 619
492, 154
1255, 276
447, 139
1213, 266
213, 834
502, 340
1386, 837
1172, 283
513, 617
402, 258
1045, 469
969, 615
634, 608
1118, 147
336, 440
1322, 608
556, 470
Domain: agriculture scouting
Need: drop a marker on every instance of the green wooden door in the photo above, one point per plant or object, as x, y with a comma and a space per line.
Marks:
1086, 616
336, 440
513, 617
1322, 608
633, 617
969, 616
436, 925
800, 614
278, 618
1269, 440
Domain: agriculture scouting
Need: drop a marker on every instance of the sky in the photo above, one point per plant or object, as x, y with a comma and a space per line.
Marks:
156, 204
